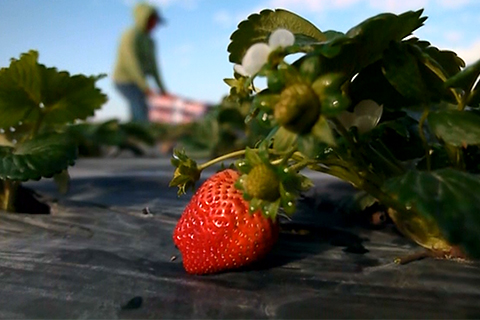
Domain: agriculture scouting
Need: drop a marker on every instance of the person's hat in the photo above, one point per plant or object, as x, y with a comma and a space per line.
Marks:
160, 18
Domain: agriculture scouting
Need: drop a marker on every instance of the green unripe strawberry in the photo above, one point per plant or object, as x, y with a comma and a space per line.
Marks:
262, 183
333, 99
328, 83
265, 101
298, 108
334, 104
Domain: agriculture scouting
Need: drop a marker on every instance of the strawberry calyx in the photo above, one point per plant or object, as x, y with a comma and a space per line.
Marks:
262, 182
267, 182
186, 174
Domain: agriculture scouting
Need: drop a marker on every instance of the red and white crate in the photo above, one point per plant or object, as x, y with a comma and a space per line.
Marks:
174, 109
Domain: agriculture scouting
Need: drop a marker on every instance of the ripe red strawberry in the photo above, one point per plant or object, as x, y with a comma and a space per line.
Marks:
216, 232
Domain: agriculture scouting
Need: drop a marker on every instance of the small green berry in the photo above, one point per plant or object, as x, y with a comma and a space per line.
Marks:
262, 183
298, 108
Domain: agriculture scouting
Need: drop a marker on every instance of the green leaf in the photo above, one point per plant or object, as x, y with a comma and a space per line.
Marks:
474, 97
438, 159
448, 196
258, 27
43, 156
401, 69
288, 199
458, 128
401, 137
447, 61
365, 43
252, 157
371, 84
231, 116
68, 98
311, 147
138, 132
31, 92
19, 89
322, 131
375, 34
466, 78
270, 209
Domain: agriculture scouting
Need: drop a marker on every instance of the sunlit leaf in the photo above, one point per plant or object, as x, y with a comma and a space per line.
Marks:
29, 91
365, 43
19, 89
448, 61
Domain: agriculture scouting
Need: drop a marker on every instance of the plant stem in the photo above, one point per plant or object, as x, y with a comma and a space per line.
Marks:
413, 257
421, 132
357, 155
337, 171
239, 153
391, 162
439, 73
227, 156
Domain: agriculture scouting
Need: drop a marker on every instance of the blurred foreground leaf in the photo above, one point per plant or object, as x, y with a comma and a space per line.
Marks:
447, 196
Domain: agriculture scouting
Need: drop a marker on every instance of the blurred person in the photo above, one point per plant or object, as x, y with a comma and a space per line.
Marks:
136, 61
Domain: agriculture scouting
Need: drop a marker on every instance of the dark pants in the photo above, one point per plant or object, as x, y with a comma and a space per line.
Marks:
136, 100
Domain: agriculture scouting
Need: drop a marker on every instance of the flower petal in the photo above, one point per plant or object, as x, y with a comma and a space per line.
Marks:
346, 119
368, 107
255, 57
238, 68
367, 115
281, 38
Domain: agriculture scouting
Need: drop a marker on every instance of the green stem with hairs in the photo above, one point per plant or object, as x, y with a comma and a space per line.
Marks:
239, 153
356, 154
227, 156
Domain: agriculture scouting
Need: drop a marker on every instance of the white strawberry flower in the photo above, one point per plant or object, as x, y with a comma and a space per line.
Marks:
365, 116
281, 38
254, 59
257, 55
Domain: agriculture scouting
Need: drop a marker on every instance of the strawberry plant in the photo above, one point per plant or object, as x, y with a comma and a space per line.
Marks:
92, 139
36, 104
389, 113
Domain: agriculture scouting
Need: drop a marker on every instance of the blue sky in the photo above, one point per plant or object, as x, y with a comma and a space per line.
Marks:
81, 36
